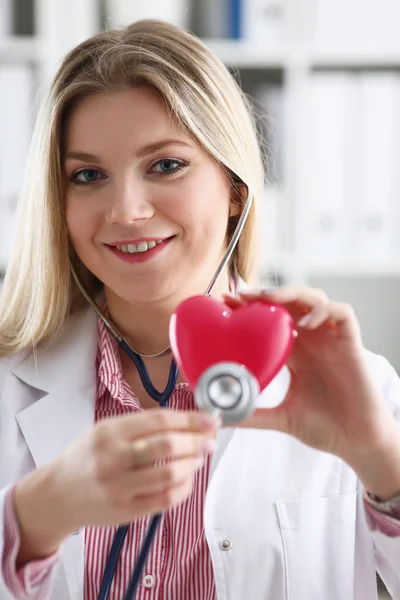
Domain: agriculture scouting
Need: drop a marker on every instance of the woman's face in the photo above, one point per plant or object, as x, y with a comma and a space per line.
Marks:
146, 208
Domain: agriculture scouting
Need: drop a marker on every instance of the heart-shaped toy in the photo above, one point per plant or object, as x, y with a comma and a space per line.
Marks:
204, 332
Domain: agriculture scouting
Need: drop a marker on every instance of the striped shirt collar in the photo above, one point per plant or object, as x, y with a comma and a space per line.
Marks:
108, 362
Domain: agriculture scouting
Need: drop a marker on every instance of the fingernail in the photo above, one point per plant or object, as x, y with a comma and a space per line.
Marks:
305, 320
209, 422
217, 416
209, 446
267, 291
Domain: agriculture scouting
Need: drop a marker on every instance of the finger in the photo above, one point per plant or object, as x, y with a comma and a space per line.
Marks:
233, 302
148, 450
305, 295
155, 479
320, 314
346, 322
338, 316
164, 500
158, 420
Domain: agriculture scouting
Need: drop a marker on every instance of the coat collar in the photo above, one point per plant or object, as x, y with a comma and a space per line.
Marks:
64, 373
69, 353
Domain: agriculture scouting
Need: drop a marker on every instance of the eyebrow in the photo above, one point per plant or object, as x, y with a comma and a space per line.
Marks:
149, 149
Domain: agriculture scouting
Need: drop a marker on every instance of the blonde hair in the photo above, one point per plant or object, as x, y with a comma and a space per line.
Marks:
39, 291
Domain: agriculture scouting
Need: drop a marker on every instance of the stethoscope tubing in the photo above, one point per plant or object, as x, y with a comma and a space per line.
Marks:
162, 398
112, 561
111, 565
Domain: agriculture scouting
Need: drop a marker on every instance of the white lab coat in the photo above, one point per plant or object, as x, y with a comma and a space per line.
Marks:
294, 515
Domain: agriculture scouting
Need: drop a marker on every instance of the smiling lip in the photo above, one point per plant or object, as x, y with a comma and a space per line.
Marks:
139, 257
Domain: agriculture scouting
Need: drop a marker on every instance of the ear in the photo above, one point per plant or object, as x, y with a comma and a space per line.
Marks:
237, 197
234, 209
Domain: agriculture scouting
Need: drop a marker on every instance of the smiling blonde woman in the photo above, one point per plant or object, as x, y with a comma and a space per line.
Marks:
136, 180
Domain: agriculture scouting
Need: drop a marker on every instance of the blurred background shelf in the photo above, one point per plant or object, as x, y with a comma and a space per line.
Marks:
353, 58
21, 49
245, 54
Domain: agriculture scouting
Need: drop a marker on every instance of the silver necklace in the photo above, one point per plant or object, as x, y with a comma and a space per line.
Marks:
110, 326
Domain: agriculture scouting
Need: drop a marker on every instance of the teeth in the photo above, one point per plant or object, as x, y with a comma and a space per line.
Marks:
141, 247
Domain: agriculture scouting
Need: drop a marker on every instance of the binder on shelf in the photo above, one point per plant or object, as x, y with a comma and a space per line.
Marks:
24, 17
270, 99
123, 12
236, 19
15, 126
378, 210
212, 19
219, 19
325, 217
6, 18
270, 266
263, 21
269, 209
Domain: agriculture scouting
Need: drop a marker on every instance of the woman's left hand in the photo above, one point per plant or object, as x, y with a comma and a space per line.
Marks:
332, 404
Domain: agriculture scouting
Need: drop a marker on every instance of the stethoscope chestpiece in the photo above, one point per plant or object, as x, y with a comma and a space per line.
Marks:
227, 389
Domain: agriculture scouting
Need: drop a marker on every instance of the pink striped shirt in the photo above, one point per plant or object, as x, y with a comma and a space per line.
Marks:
179, 564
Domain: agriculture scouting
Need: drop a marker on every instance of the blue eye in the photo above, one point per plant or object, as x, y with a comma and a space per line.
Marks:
165, 167
85, 177
169, 166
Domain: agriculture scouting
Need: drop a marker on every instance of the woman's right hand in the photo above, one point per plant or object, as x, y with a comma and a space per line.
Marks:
109, 477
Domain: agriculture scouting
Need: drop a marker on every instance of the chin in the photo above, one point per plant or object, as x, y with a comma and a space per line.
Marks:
145, 293
159, 289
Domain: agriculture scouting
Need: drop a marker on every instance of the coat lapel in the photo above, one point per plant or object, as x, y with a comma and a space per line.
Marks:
64, 372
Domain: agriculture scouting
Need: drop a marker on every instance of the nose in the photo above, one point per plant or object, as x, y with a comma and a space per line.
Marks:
129, 203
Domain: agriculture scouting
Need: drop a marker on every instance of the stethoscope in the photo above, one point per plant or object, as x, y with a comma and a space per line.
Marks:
227, 389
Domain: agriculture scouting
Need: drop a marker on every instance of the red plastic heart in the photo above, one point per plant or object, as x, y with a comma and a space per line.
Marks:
204, 332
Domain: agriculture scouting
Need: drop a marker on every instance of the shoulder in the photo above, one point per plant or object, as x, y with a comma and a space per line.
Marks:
72, 351
7, 362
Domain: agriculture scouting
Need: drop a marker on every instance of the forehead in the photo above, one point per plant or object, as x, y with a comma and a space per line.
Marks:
136, 114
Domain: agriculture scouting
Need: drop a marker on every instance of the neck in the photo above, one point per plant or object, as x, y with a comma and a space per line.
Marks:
145, 324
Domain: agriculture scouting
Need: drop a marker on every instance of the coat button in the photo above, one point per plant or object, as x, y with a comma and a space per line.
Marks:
225, 545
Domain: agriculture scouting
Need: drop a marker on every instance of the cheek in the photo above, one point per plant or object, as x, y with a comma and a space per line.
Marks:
205, 207
82, 221
212, 220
